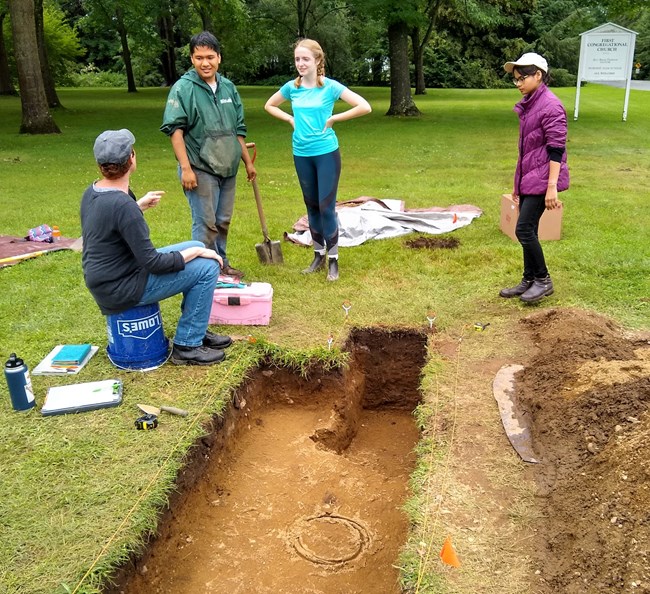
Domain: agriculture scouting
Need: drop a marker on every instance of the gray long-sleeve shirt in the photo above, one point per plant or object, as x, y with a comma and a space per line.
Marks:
117, 253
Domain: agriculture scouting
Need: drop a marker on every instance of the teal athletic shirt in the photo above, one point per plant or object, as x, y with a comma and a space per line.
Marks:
311, 109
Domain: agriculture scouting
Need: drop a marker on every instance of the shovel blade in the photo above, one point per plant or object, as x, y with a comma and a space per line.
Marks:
514, 421
269, 252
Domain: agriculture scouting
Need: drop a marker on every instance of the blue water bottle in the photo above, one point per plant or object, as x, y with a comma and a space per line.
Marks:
20, 384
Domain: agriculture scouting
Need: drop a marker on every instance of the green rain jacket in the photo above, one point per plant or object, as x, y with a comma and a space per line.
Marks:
210, 122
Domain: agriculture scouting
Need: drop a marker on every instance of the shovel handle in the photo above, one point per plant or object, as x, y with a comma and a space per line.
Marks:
174, 411
258, 198
260, 212
251, 145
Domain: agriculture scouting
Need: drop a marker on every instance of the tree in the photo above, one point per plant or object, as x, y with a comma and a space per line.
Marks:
168, 58
401, 101
399, 17
300, 18
115, 14
6, 85
61, 42
36, 117
420, 39
205, 10
48, 80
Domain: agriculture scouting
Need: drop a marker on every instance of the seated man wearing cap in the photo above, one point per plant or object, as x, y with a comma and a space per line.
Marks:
123, 269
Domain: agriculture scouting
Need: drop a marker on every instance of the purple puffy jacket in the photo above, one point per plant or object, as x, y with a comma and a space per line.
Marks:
542, 124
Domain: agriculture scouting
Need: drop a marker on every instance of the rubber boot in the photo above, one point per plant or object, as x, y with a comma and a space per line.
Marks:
317, 263
541, 287
333, 269
520, 289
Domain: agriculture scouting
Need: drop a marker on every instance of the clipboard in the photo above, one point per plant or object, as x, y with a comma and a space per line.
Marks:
74, 398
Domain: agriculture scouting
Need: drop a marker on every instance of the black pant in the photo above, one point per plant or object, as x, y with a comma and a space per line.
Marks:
319, 180
531, 209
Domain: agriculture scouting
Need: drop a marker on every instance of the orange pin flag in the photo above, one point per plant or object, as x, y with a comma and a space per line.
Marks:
448, 554
455, 218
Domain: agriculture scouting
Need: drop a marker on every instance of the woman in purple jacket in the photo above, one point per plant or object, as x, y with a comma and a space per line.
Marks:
541, 169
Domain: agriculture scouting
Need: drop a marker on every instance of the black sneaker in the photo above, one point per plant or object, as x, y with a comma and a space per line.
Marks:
216, 341
200, 355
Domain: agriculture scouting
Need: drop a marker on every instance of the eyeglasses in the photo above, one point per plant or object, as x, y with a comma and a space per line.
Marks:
520, 80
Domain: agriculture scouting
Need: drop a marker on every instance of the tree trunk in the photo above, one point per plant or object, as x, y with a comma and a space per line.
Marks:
377, 70
168, 58
418, 61
6, 85
126, 52
206, 19
36, 117
301, 8
401, 102
205, 13
48, 80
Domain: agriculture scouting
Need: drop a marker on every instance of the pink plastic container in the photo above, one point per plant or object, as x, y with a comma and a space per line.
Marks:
250, 306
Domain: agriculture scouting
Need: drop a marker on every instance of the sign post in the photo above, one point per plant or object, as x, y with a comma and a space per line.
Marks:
606, 54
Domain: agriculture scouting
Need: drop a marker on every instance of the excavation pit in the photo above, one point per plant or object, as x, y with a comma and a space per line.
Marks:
303, 486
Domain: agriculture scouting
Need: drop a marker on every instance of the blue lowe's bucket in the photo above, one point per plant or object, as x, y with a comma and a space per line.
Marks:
136, 339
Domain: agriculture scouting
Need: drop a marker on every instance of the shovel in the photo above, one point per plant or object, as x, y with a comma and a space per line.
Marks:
154, 410
514, 421
268, 252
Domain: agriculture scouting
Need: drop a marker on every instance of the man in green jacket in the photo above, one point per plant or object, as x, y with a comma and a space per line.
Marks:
204, 118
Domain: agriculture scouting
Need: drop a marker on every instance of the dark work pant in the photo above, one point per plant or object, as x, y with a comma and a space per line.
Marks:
319, 181
531, 209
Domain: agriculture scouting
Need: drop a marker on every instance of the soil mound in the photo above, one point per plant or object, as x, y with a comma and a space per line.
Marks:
587, 391
433, 243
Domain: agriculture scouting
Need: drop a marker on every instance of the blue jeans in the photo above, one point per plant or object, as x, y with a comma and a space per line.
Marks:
531, 209
196, 282
319, 181
212, 203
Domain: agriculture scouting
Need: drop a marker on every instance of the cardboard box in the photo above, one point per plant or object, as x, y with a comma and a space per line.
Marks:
249, 306
550, 225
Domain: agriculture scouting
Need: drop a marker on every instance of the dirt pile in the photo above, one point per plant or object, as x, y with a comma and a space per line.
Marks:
587, 391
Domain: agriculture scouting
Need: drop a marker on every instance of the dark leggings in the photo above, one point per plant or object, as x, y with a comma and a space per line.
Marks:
319, 181
531, 209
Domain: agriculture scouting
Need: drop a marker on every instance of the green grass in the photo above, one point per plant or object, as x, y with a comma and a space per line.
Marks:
80, 491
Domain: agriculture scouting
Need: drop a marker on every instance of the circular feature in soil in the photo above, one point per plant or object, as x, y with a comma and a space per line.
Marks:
329, 539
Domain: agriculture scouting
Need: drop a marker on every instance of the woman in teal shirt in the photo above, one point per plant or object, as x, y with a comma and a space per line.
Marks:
315, 145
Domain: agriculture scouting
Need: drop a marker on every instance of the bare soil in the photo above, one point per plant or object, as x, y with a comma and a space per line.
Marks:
433, 243
587, 389
304, 482
306, 493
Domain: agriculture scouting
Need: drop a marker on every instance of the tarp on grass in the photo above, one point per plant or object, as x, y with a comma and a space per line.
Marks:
16, 249
370, 218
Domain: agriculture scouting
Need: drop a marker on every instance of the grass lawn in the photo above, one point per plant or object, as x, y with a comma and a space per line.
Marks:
79, 492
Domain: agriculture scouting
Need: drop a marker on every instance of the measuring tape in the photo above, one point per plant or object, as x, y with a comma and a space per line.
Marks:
146, 422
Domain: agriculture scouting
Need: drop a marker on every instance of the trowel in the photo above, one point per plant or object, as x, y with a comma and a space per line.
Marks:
154, 410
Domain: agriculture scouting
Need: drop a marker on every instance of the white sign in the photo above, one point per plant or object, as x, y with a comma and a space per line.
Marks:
606, 57
606, 54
